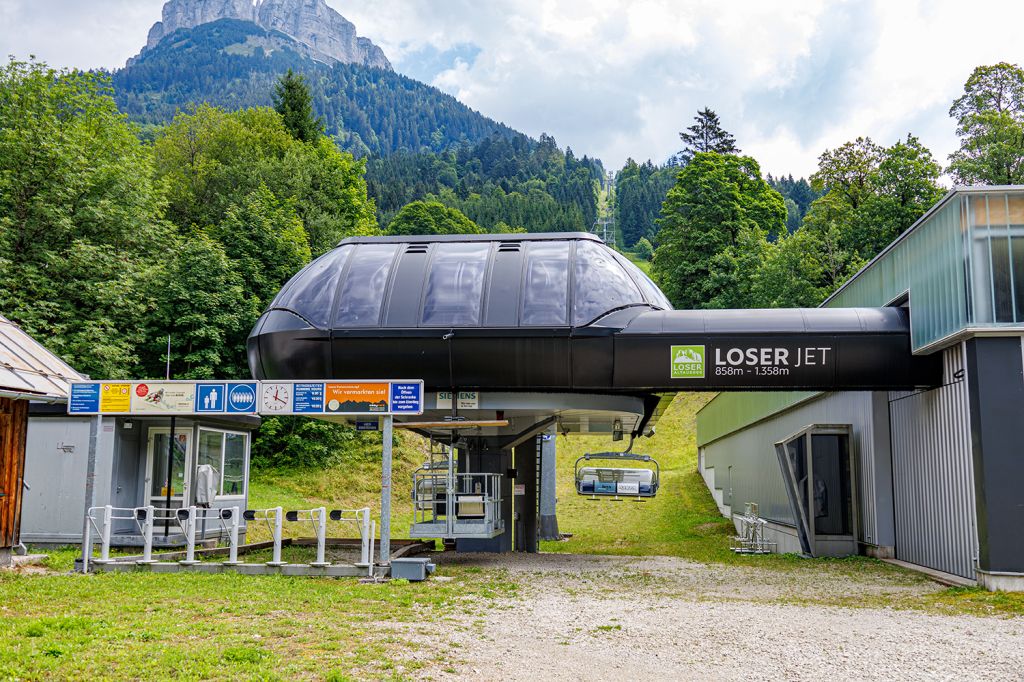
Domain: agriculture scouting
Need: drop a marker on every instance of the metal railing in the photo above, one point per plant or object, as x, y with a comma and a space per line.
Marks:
456, 498
100, 523
101, 520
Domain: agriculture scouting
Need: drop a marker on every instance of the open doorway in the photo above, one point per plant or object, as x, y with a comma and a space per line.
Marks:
818, 472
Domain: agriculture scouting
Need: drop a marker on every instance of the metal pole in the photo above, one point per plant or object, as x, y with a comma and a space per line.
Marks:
278, 531
90, 487
170, 466
385, 492
147, 536
233, 555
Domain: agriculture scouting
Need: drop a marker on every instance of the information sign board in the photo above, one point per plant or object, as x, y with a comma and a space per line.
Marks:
310, 398
343, 398
170, 398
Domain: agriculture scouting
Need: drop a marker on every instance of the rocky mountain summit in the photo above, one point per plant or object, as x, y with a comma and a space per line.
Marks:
329, 37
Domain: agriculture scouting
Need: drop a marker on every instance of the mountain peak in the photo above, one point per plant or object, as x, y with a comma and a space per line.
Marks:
329, 36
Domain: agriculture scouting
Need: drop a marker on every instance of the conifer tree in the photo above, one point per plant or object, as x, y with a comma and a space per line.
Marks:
293, 101
706, 135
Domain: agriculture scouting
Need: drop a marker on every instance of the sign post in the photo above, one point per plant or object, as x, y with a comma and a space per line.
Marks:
385, 494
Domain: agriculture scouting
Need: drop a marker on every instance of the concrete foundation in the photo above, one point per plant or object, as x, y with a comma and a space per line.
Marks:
1001, 582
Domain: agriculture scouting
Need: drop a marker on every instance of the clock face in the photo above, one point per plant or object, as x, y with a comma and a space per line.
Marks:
277, 397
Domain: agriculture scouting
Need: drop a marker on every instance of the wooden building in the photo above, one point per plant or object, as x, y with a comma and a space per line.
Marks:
28, 373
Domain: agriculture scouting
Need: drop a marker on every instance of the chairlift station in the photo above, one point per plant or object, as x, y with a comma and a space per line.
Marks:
886, 422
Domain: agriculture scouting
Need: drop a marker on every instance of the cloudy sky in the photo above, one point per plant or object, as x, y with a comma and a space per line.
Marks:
620, 78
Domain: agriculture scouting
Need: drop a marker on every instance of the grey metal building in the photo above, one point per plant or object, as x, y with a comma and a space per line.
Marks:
932, 477
131, 457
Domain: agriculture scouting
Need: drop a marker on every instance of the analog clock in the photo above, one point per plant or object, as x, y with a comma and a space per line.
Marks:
277, 397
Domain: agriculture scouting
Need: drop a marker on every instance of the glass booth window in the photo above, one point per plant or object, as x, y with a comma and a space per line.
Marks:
225, 452
362, 293
601, 284
233, 480
455, 285
546, 285
997, 257
311, 292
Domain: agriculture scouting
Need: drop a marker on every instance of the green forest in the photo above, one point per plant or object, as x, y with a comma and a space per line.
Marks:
116, 234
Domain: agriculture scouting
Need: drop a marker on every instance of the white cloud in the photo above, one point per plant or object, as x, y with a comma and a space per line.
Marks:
620, 78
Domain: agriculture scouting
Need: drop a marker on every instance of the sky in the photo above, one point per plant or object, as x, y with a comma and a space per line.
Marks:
619, 79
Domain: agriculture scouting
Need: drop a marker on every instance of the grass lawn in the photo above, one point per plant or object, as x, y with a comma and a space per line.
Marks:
151, 626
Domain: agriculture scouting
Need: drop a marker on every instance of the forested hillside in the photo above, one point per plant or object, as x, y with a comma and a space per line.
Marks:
504, 182
234, 64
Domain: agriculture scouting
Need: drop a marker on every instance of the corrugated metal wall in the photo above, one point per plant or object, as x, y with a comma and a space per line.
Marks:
755, 475
933, 474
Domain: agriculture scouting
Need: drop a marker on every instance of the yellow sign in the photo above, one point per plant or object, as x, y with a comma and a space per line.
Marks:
115, 397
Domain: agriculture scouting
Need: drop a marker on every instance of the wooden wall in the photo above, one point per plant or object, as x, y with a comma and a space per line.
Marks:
13, 427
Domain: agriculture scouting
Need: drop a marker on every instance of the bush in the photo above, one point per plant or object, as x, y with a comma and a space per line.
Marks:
286, 442
644, 249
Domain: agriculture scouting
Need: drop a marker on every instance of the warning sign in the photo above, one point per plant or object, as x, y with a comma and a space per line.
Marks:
115, 397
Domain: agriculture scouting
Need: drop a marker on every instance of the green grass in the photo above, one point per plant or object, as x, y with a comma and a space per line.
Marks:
150, 626
681, 521
644, 265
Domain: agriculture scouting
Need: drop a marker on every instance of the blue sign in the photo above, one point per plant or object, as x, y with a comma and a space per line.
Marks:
241, 398
85, 399
309, 398
210, 397
407, 398
367, 425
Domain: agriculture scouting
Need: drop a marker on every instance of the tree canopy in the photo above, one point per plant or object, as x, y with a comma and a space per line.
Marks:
990, 122
717, 199
293, 101
81, 222
431, 217
706, 135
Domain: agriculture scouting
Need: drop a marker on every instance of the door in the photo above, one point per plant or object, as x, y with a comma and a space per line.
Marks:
13, 425
156, 467
817, 472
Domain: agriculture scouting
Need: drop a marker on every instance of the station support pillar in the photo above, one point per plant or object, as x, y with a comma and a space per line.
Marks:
995, 376
547, 492
525, 494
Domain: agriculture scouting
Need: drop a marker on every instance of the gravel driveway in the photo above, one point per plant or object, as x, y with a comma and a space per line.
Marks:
624, 618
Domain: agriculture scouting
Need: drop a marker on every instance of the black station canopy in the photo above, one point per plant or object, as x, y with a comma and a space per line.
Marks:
558, 312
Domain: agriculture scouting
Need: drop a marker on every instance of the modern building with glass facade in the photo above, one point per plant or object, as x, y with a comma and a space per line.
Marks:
933, 477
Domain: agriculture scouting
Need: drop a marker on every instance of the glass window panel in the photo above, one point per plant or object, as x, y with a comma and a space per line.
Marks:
831, 498
362, 293
311, 292
455, 285
158, 483
211, 449
601, 283
1001, 287
546, 287
233, 480
651, 291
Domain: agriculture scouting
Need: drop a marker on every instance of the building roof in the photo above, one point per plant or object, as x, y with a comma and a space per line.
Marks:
485, 237
28, 370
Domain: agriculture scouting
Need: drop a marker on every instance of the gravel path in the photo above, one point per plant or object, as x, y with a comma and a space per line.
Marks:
660, 618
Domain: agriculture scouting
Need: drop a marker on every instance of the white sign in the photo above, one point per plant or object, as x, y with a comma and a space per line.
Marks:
468, 400
624, 488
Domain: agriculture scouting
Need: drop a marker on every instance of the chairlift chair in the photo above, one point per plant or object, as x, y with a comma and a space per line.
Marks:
617, 482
